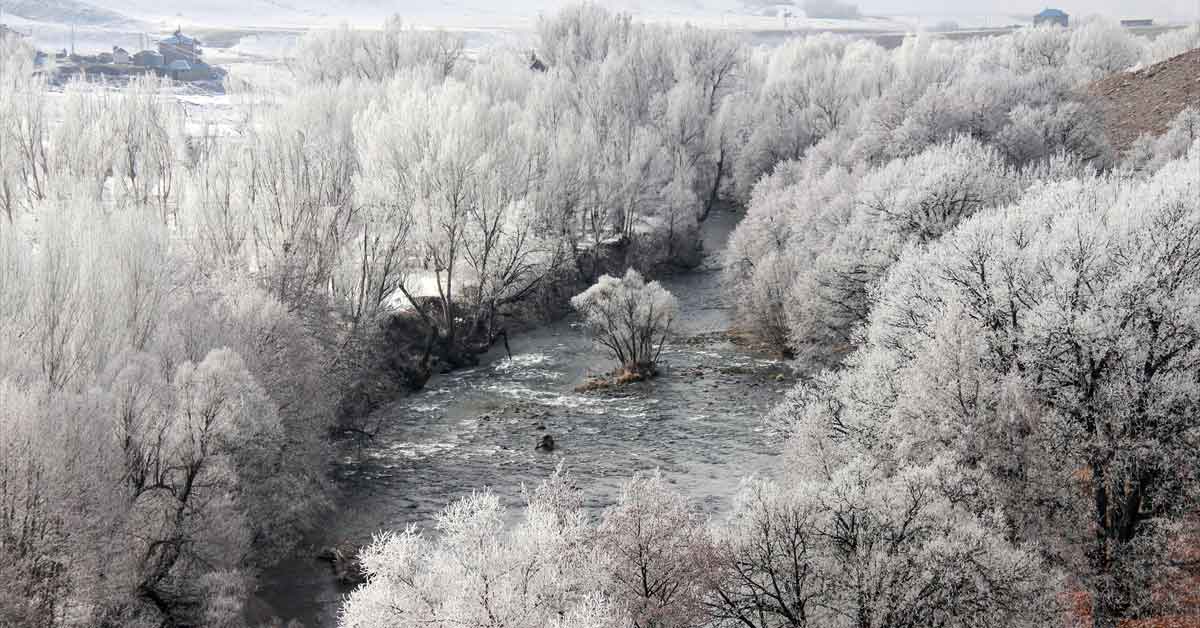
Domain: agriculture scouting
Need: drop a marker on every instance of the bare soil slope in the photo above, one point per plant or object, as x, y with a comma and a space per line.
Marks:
1147, 100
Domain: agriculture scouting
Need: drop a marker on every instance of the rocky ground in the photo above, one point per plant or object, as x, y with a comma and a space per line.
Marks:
1146, 101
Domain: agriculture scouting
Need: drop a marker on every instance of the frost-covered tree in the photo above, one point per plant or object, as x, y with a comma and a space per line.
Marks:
789, 223
629, 317
82, 154
654, 147
480, 571
859, 546
159, 453
184, 443
582, 33
24, 129
1045, 46
34, 579
811, 88
1151, 153
816, 244
1173, 43
1100, 48
299, 184
451, 183
375, 54
145, 135
1051, 347
660, 555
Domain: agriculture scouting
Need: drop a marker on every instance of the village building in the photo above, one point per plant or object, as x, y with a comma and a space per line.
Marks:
1054, 17
148, 59
120, 56
179, 47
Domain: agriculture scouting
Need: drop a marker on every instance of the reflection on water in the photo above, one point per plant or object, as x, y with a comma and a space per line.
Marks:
700, 423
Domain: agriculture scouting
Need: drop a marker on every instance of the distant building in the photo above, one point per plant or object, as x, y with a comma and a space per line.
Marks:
104, 57
179, 47
148, 59
1052, 16
1137, 23
120, 56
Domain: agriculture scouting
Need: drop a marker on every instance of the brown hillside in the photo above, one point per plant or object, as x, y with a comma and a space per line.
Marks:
1147, 100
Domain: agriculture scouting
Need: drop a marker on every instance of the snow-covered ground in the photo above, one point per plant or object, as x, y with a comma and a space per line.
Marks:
443, 13
154, 17
256, 30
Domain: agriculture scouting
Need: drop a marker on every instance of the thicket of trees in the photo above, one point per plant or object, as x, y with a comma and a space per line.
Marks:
867, 549
874, 151
188, 302
997, 297
1050, 347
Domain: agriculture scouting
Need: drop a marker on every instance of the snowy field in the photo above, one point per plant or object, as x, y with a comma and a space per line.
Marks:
262, 30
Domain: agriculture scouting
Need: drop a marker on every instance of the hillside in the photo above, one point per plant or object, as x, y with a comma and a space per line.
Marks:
1147, 100
63, 12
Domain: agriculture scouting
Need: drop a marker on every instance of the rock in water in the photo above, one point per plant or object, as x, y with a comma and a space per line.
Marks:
545, 444
346, 565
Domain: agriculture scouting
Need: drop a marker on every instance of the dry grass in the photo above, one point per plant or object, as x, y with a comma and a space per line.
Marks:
1146, 101
628, 374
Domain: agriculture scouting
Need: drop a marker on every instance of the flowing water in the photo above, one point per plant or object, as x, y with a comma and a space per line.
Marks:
700, 423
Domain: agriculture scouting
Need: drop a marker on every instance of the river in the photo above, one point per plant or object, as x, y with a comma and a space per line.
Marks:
700, 423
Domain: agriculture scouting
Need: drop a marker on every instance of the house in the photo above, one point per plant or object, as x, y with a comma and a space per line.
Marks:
40, 59
1052, 16
120, 56
179, 65
104, 57
179, 47
148, 59
1139, 23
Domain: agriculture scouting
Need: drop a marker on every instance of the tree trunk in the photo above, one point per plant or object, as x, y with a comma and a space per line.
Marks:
715, 193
